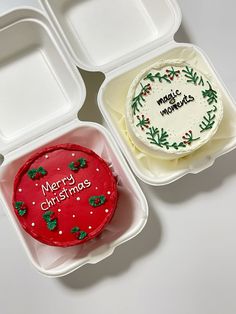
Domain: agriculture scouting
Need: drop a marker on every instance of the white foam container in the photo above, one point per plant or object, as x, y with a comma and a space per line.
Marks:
41, 94
120, 38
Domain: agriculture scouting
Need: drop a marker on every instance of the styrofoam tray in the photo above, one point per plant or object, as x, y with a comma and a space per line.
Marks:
121, 38
41, 95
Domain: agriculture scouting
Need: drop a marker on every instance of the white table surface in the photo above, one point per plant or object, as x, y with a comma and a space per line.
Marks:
184, 261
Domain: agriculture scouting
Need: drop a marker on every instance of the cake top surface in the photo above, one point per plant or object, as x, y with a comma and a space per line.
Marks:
172, 109
64, 195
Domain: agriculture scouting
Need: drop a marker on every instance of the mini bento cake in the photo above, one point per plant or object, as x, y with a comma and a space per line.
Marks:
172, 109
64, 195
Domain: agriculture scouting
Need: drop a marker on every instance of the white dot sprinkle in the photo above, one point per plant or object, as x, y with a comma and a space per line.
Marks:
46, 156
60, 232
33, 203
96, 188
78, 198
33, 224
73, 154
36, 184
108, 192
20, 190
106, 210
91, 213
58, 169
97, 169
55, 193
73, 216
90, 227
59, 210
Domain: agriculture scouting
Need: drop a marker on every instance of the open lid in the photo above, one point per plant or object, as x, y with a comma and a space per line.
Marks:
40, 89
101, 35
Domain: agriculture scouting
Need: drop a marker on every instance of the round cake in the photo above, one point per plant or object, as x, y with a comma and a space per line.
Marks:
64, 195
172, 109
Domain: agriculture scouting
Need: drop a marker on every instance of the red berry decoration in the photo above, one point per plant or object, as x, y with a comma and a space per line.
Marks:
36, 173
76, 165
96, 201
20, 208
37, 176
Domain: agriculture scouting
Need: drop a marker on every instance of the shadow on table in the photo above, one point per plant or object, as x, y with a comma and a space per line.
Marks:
182, 35
90, 110
204, 182
121, 260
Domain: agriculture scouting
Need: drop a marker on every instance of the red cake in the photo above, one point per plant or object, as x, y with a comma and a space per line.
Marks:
64, 195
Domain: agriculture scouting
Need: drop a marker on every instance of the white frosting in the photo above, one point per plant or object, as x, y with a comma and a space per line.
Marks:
169, 115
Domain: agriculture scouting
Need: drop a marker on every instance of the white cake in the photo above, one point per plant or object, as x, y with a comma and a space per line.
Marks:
172, 109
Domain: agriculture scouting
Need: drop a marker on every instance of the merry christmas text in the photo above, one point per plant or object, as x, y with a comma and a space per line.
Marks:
62, 190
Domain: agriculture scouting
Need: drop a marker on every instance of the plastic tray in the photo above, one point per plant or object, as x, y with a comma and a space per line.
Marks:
42, 91
120, 38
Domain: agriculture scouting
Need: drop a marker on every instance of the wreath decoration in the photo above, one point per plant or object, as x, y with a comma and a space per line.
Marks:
159, 136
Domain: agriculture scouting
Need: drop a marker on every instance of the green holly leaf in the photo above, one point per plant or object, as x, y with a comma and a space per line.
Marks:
71, 166
22, 212
82, 235
102, 199
18, 205
31, 173
91, 200
96, 201
52, 224
83, 162
42, 171
47, 215
75, 230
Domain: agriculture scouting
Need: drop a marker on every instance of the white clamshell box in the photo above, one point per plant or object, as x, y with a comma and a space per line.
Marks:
121, 38
42, 92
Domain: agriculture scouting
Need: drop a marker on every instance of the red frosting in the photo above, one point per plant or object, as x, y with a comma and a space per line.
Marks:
64, 195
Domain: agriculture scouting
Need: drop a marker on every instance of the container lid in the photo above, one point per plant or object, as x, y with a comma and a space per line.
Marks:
101, 35
40, 90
